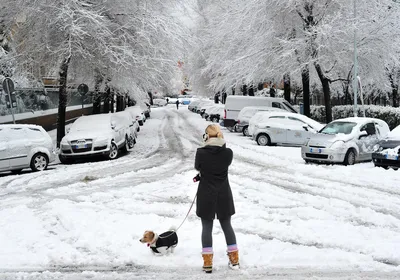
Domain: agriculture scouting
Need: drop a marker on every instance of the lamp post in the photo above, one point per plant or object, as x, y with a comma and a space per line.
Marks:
355, 79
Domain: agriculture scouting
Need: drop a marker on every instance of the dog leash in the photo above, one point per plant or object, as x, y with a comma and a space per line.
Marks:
187, 215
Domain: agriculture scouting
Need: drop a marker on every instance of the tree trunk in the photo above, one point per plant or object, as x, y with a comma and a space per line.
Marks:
251, 90
395, 91
244, 90
305, 79
327, 92
233, 90
151, 97
112, 103
97, 95
120, 101
286, 87
63, 98
107, 95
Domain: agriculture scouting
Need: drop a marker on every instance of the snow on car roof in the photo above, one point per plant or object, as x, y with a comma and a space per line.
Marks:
358, 120
19, 126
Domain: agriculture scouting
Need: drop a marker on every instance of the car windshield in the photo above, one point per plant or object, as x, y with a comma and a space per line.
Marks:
91, 124
338, 127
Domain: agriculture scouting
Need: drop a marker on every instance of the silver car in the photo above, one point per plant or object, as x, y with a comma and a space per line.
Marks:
345, 141
285, 128
25, 146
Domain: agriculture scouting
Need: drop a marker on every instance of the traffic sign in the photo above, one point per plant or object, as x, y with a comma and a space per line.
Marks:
8, 86
83, 89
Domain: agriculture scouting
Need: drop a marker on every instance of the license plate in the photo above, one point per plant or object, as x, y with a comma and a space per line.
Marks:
81, 146
393, 157
315, 150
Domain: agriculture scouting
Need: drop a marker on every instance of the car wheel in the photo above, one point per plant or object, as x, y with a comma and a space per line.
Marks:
246, 131
236, 129
263, 140
39, 162
65, 160
113, 151
138, 129
214, 119
17, 171
131, 142
350, 158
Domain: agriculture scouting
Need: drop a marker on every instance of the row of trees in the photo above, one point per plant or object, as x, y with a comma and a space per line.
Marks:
130, 45
297, 41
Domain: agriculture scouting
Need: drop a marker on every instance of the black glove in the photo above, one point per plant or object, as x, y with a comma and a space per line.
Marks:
197, 178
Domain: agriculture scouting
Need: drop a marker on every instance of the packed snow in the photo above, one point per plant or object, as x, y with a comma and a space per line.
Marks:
293, 220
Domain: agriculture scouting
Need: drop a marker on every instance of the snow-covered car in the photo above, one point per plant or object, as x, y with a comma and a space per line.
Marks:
132, 124
96, 135
25, 146
347, 141
259, 117
202, 104
205, 107
159, 102
214, 113
387, 151
137, 113
247, 113
192, 105
286, 129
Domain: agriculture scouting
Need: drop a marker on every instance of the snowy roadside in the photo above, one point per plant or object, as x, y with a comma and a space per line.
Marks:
293, 220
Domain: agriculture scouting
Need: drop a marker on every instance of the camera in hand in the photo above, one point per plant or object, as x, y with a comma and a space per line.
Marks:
197, 178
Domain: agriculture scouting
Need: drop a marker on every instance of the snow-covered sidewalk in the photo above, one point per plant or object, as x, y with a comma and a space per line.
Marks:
293, 220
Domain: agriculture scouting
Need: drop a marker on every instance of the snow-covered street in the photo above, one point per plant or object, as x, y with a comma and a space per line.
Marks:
293, 220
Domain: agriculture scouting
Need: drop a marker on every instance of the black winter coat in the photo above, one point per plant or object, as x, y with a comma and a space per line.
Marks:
214, 195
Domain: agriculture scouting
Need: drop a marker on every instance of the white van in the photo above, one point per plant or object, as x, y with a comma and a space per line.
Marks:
234, 104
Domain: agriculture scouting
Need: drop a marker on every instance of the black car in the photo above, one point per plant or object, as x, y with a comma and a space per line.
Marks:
388, 153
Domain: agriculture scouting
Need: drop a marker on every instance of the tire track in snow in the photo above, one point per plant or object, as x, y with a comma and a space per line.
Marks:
289, 170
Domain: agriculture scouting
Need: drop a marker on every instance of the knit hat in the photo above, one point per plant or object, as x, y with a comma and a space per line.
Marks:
214, 131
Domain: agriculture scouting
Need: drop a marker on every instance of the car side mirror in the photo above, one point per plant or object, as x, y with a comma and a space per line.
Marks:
363, 134
305, 127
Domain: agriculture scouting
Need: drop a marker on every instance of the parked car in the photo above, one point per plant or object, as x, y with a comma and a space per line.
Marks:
286, 129
137, 113
387, 151
345, 141
25, 146
95, 135
132, 124
247, 113
214, 113
235, 103
205, 107
159, 102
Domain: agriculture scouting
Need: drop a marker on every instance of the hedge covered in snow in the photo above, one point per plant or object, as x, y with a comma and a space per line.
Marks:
390, 115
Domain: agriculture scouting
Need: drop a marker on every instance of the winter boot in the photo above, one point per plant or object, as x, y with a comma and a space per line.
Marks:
233, 255
207, 260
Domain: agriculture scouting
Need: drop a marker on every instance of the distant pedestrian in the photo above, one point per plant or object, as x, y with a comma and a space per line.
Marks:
177, 104
167, 100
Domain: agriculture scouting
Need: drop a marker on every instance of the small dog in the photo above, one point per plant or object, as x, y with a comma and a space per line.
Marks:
160, 244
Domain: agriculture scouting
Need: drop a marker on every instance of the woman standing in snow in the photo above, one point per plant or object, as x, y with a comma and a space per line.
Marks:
214, 195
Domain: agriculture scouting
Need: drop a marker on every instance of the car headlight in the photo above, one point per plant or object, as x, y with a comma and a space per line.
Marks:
337, 144
377, 148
